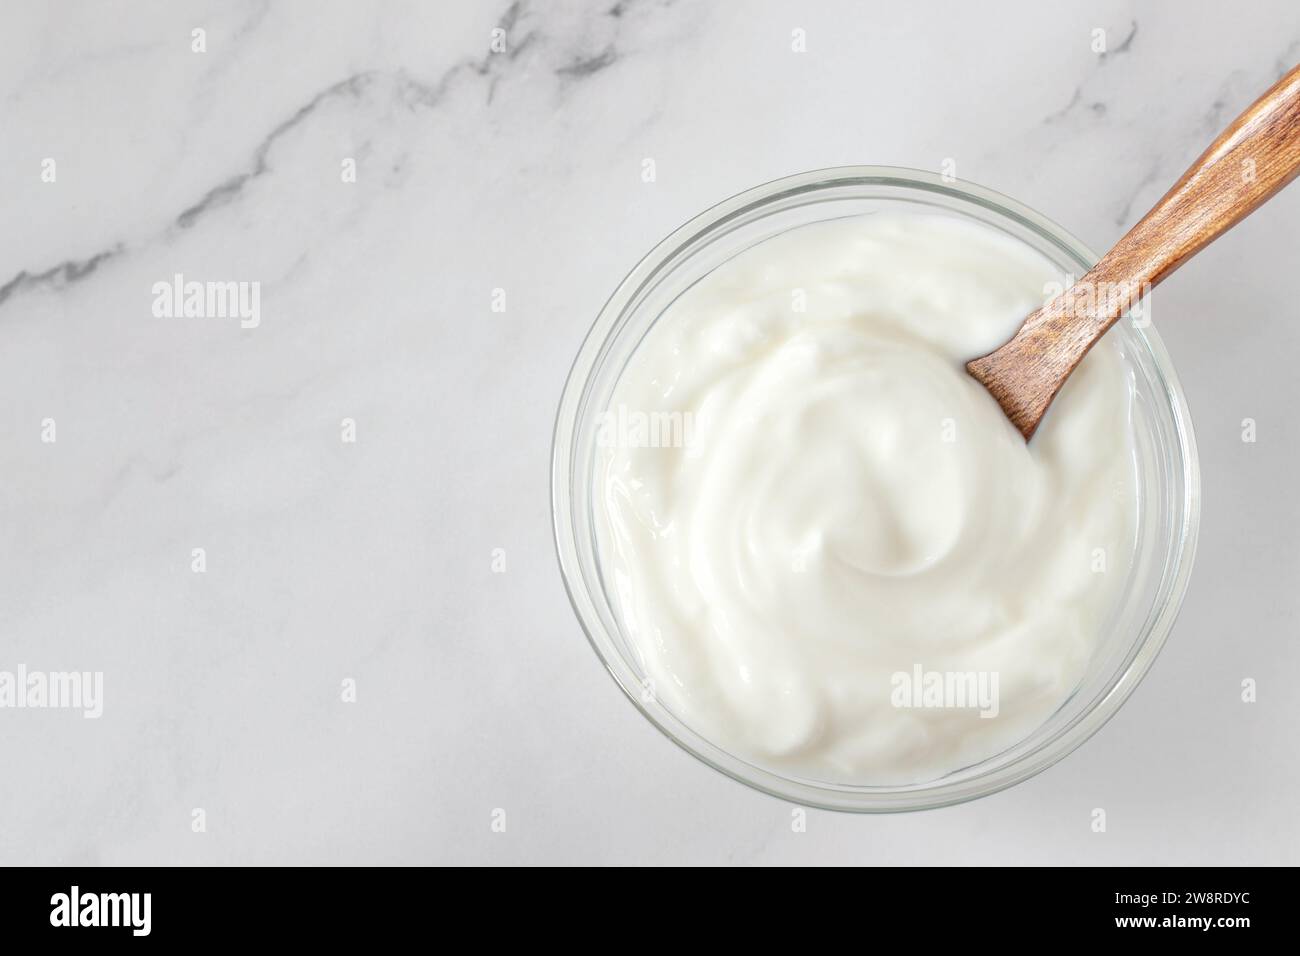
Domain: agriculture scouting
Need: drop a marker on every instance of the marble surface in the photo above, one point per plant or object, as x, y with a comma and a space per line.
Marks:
372, 561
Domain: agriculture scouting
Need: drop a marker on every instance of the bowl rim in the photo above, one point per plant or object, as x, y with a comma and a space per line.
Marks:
930, 795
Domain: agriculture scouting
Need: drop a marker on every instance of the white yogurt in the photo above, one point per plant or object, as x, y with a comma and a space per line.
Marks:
804, 503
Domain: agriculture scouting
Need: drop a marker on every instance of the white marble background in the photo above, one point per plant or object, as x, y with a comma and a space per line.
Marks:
372, 561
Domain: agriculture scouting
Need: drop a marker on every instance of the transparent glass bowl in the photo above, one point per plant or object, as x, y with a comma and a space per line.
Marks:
1168, 474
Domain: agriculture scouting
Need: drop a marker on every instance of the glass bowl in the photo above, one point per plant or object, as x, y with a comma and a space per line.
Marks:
1167, 470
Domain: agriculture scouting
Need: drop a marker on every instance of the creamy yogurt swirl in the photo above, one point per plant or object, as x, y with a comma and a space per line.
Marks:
806, 508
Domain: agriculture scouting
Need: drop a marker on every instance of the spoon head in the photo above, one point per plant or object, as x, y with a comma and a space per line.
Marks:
1023, 384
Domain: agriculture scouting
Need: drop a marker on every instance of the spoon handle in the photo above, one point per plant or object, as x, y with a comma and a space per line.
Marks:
1253, 158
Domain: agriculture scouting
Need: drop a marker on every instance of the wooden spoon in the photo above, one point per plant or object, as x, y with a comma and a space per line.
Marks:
1254, 157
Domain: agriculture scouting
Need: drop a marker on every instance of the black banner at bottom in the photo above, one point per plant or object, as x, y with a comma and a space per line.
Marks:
212, 906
